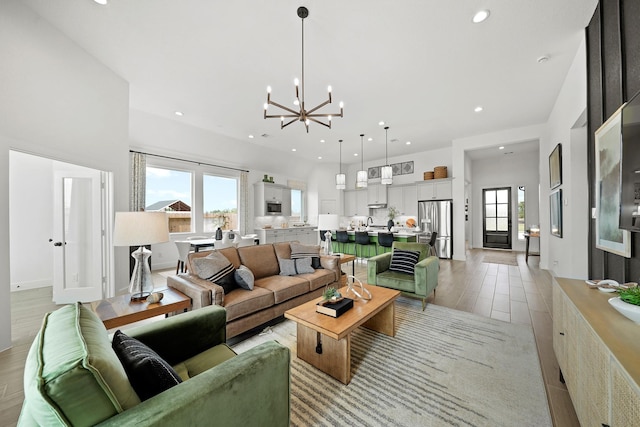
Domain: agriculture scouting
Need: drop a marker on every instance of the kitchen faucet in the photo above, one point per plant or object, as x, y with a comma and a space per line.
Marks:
369, 219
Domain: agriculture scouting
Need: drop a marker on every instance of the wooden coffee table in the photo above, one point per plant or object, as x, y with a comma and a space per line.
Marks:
120, 310
332, 336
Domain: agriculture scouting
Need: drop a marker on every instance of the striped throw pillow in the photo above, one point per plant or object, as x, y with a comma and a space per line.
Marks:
298, 250
404, 261
217, 269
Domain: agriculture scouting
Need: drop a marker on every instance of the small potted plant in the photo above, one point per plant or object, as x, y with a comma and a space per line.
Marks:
331, 295
628, 303
393, 212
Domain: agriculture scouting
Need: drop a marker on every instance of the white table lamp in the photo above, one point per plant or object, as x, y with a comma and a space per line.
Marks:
328, 222
139, 229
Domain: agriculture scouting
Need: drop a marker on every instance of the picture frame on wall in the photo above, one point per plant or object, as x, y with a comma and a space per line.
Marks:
555, 167
555, 209
609, 236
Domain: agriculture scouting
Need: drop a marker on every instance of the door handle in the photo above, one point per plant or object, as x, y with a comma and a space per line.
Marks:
57, 244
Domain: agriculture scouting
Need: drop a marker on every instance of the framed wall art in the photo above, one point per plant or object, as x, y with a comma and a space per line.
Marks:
555, 208
609, 236
555, 167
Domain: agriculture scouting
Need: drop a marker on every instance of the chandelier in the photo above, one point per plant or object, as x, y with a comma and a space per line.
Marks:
340, 177
302, 115
361, 175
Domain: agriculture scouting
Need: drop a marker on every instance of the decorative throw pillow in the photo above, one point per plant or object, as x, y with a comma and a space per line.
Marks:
404, 261
292, 267
148, 373
217, 269
298, 250
244, 277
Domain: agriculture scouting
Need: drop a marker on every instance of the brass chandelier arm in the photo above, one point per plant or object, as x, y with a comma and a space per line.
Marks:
283, 125
297, 113
319, 122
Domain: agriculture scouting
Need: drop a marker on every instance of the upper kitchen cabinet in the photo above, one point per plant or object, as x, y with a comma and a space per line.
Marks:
355, 203
271, 199
377, 195
404, 198
435, 189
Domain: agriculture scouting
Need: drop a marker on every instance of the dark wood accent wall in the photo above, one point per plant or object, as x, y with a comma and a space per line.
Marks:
613, 77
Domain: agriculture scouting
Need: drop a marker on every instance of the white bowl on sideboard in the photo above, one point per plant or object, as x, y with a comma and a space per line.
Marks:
630, 311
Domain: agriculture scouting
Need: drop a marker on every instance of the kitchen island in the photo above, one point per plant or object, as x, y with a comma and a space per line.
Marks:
350, 248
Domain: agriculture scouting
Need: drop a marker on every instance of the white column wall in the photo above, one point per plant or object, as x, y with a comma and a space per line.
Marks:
56, 101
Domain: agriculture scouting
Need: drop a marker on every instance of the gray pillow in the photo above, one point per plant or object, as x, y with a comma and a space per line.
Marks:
215, 268
292, 267
244, 277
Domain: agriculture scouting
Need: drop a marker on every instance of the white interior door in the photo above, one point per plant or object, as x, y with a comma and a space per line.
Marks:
78, 236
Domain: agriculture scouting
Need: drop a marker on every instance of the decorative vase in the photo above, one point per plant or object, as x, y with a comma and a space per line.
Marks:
390, 224
630, 311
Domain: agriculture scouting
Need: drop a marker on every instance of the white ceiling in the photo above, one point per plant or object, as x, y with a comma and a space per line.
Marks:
420, 65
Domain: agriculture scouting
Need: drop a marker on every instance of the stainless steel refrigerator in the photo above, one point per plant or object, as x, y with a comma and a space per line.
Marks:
437, 216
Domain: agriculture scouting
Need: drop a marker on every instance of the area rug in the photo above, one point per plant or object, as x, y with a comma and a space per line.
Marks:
507, 258
443, 368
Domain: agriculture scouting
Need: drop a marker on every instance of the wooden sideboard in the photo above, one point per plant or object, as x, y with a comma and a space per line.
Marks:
598, 351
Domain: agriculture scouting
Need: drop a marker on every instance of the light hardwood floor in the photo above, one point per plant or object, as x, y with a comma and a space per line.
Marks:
517, 294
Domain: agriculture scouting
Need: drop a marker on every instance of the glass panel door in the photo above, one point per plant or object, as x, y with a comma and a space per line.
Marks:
497, 218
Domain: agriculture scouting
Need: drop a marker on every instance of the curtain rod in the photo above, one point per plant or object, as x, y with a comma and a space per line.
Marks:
189, 161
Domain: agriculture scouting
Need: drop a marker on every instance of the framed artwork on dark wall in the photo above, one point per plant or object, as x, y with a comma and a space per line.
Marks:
555, 167
555, 208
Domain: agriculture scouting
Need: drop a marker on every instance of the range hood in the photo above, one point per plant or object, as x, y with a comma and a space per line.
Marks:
377, 205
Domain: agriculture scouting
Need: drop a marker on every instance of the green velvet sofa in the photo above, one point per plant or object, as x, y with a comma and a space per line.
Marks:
73, 377
420, 284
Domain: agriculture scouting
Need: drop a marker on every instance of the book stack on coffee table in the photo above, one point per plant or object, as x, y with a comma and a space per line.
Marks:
334, 309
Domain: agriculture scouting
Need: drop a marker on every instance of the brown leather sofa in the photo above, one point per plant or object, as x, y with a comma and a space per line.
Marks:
272, 294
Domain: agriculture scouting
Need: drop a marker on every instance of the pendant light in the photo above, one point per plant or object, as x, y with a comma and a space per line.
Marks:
361, 176
386, 173
341, 178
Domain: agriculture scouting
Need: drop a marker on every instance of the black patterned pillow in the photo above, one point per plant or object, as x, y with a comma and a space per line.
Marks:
148, 373
298, 250
404, 261
217, 269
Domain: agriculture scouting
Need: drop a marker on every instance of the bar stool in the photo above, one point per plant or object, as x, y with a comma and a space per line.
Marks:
432, 244
385, 240
342, 238
183, 253
362, 240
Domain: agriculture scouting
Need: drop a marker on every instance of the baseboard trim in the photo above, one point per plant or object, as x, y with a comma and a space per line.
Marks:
34, 284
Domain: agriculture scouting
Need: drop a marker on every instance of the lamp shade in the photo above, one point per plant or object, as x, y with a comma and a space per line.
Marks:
328, 222
386, 173
361, 179
341, 181
140, 228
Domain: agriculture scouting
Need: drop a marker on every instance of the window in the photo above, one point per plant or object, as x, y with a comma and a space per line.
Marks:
220, 203
169, 190
521, 211
296, 205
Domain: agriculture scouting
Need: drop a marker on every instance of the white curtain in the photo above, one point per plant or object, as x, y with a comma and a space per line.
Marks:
138, 182
244, 203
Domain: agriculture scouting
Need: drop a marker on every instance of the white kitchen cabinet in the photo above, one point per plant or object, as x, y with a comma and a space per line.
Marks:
362, 207
265, 192
434, 189
395, 198
410, 200
355, 203
304, 235
376, 194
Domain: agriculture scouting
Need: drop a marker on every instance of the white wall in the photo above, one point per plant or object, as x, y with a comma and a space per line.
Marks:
567, 256
507, 171
58, 102
460, 171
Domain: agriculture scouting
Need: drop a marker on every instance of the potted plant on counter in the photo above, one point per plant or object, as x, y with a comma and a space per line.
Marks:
628, 303
393, 212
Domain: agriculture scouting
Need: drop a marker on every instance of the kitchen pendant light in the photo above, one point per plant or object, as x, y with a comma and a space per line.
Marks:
341, 178
361, 176
386, 173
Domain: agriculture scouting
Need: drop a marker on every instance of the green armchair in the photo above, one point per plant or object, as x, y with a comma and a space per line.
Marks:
74, 378
420, 284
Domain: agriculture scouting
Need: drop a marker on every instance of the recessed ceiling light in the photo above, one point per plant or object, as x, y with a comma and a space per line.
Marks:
501, 147
179, 113
408, 142
322, 140
250, 136
355, 154
319, 157
370, 139
478, 109
102, 2
481, 16
293, 149
381, 123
